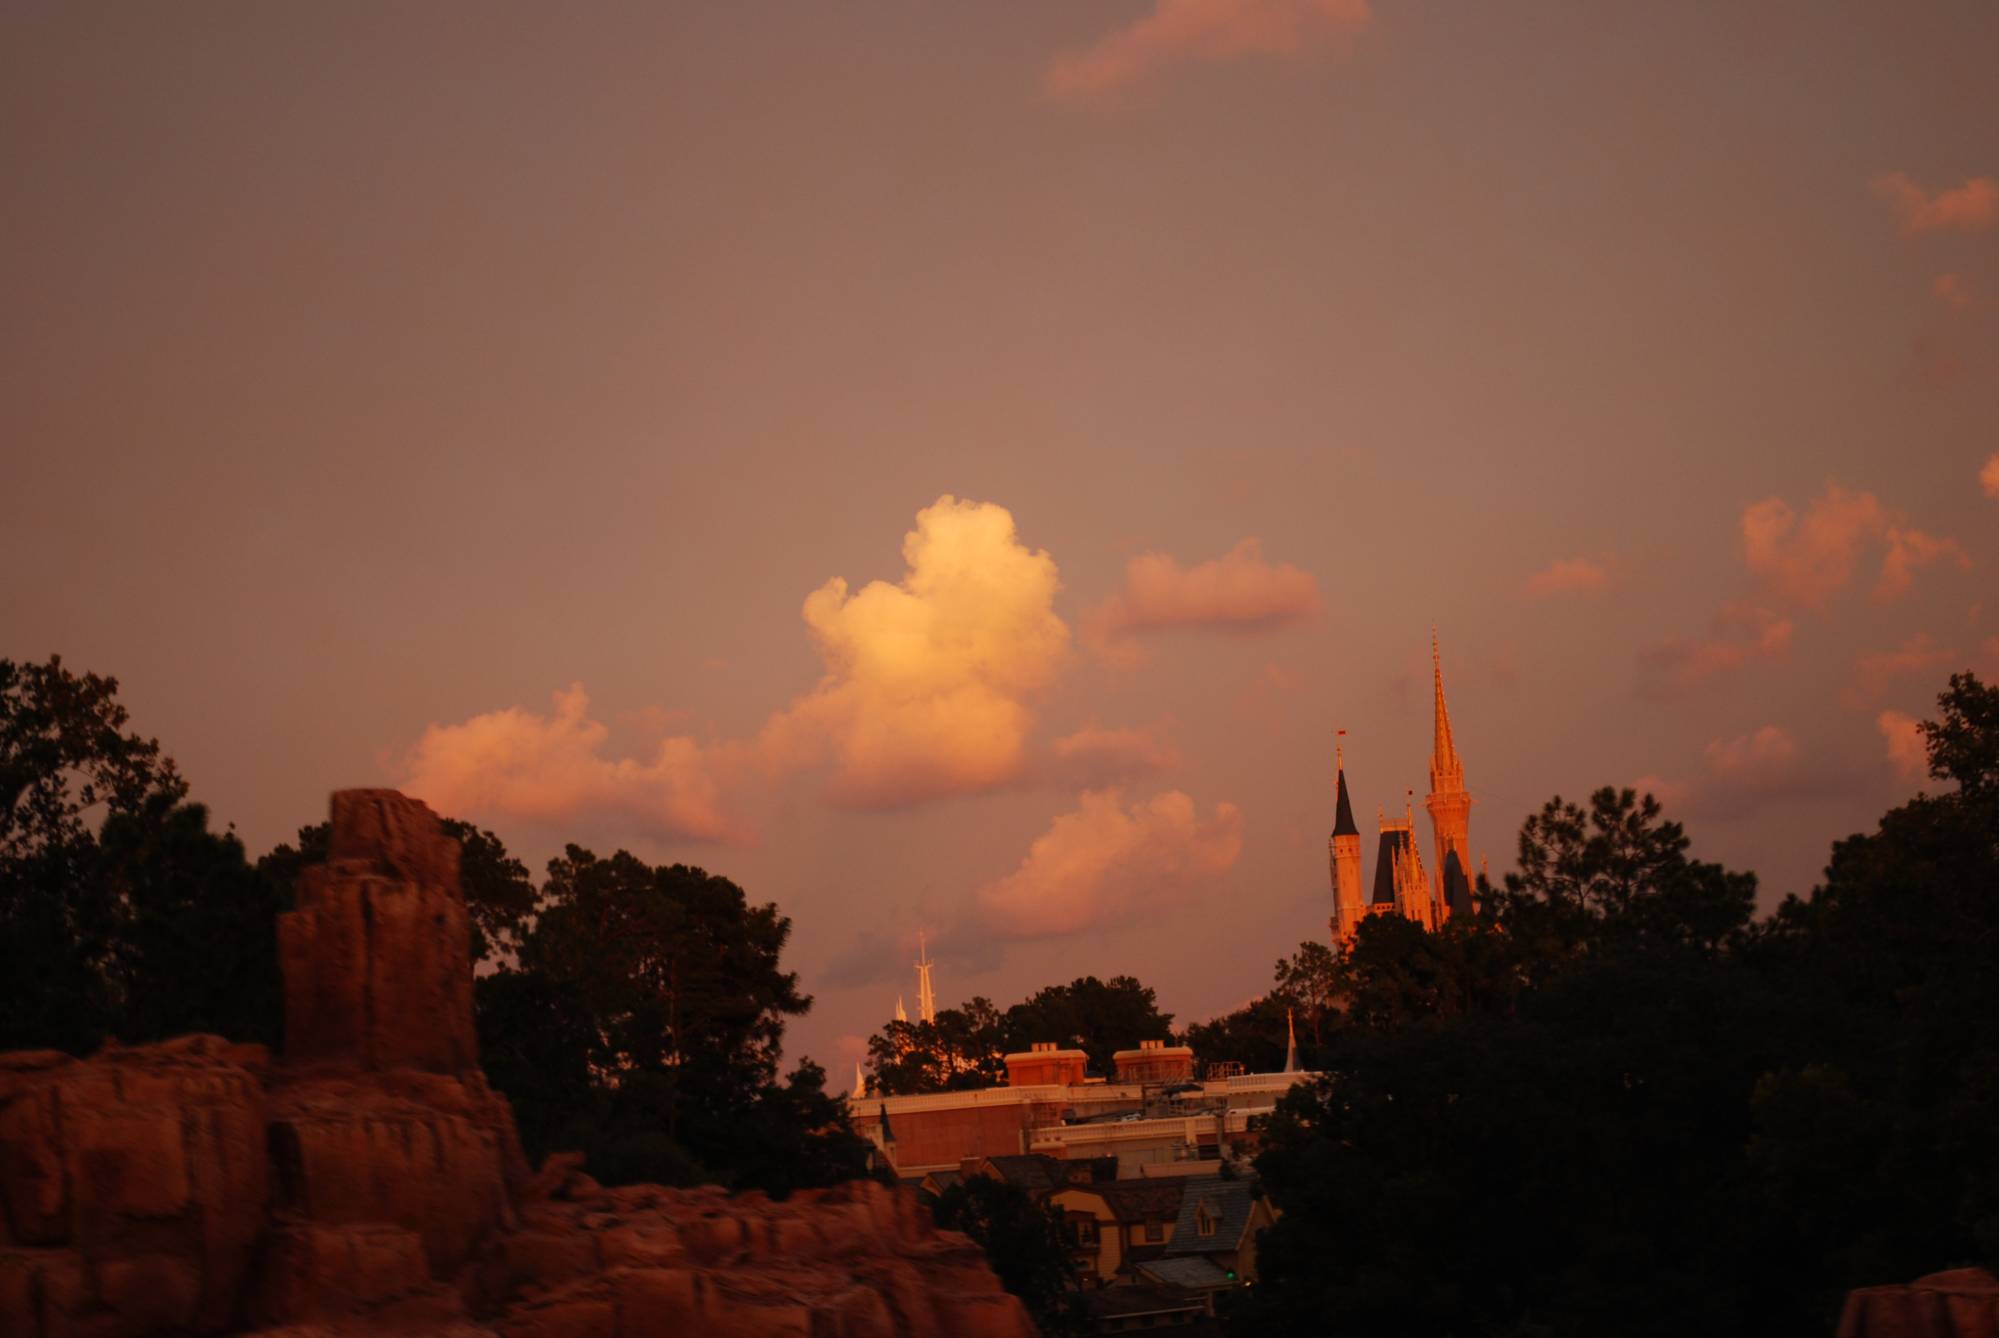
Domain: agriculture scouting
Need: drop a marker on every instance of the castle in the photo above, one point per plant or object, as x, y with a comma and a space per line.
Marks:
1401, 885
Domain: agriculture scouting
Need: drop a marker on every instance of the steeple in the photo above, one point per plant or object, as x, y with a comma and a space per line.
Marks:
1343, 823
860, 1080
1343, 853
926, 998
901, 1014
1290, 1043
1444, 763
1448, 804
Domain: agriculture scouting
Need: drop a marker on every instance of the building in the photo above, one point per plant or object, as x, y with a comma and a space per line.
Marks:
1402, 885
1154, 1118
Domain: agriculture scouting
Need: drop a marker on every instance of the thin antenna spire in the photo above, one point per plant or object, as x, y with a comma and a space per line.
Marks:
926, 997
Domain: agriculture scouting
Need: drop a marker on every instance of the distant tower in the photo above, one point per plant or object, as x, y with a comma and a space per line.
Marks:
1290, 1042
1400, 884
901, 1015
1343, 853
926, 998
1449, 807
860, 1080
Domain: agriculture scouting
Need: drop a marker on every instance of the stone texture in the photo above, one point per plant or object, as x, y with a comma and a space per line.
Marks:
1960, 1303
376, 963
372, 1183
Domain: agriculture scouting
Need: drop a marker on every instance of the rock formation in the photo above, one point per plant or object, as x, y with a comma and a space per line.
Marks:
371, 1182
1960, 1303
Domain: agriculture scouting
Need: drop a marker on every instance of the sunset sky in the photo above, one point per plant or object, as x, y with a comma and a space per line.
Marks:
953, 466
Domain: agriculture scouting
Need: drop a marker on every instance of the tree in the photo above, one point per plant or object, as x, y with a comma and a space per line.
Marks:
1253, 1036
1308, 983
1023, 1241
121, 914
1095, 1016
643, 1021
965, 1046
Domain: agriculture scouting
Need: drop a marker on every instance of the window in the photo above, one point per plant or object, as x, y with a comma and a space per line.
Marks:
1155, 1230
1085, 1230
1204, 1221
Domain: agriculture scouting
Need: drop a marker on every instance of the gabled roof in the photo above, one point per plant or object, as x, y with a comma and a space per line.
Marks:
1030, 1171
1137, 1200
1187, 1270
1229, 1202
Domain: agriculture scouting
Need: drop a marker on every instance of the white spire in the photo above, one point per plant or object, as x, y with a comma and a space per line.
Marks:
926, 998
860, 1080
901, 1014
1291, 1042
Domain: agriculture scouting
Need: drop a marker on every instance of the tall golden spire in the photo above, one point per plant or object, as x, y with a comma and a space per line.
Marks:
1444, 764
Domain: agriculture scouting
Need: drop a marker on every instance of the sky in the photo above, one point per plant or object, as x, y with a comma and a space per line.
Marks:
951, 468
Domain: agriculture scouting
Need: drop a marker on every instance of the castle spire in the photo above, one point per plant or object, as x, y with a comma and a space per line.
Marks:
926, 998
1343, 823
1449, 805
1444, 763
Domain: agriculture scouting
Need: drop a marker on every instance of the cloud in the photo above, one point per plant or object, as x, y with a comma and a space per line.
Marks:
1810, 559
1569, 576
1971, 207
1238, 590
1950, 290
928, 680
1875, 673
1093, 756
1675, 797
1739, 773
1762, 762
515, 764
1988, 477
1908, 751
1184, 32
1908, 552
1740, 634
1103, 860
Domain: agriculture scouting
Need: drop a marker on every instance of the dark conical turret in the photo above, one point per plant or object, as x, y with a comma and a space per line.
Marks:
1343, 823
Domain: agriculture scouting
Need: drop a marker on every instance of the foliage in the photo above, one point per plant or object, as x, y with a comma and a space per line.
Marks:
1023, 1241
1612, 1103
642, 1023
965, 1046
121, 914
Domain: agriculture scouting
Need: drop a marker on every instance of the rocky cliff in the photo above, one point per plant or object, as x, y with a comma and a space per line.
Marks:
369, 1181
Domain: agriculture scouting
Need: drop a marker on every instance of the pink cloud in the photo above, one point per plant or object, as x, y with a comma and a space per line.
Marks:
1739, 635
1809, 561
1185, 32
1761, 762
1105, 860
1094, 756
1569, 576
1811, 558
1675, 797
1950, 290
1908, 751
1739, 772
515, 764
1238, 590
1988, 477
1875, 673
1971, 207
1909, 551
928, 681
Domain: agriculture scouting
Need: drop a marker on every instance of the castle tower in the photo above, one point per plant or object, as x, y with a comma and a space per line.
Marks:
1400, 885
1449, 807
1343, 855
926, 998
